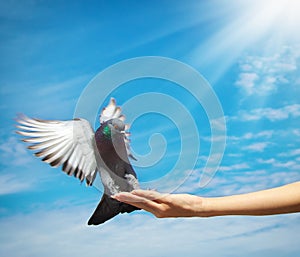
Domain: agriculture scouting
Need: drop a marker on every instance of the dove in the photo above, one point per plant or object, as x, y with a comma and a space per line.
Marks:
83, 153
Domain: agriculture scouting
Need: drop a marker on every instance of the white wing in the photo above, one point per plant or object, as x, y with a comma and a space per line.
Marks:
112, 111
67, 143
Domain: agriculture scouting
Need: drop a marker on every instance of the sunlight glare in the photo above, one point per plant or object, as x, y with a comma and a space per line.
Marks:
283, 15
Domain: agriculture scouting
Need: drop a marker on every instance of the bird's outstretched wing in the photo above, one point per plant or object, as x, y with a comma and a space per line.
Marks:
112, 111
67, 143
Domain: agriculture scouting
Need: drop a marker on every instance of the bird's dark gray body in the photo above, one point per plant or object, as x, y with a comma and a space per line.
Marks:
117, 169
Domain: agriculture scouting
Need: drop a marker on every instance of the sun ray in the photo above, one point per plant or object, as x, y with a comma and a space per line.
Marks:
272, 24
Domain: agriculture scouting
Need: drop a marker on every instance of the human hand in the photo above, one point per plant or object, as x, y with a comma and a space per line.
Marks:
163, 205
284, 199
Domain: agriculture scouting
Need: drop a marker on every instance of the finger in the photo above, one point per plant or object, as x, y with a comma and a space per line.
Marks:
128, 197
149, 194
137, 201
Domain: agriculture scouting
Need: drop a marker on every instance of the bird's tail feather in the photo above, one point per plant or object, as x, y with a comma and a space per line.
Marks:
107, 209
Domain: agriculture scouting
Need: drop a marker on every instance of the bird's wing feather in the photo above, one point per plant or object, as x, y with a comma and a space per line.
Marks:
67, 143
112, 111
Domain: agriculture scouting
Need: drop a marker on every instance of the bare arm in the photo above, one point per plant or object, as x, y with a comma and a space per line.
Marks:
284, 199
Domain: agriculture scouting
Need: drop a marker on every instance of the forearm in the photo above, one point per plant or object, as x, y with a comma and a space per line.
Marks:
285, 199
278, 200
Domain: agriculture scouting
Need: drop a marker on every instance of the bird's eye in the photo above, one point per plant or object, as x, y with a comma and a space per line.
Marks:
116, 126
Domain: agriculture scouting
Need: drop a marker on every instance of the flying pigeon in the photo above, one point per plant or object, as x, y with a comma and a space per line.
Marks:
82, 153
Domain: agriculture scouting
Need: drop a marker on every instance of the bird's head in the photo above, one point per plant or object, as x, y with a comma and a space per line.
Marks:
113, 126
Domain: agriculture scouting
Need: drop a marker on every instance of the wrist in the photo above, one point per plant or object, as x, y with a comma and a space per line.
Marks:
205, 207
213, 206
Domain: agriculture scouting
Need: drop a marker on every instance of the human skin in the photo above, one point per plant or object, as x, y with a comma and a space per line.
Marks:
279, 200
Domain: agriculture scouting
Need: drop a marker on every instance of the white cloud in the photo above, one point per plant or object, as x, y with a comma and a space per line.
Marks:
215, 138
262, 75
235, 155
63, 233
54, 88
13, 152
268, 161
292, 153
239, 166
261, 179
266, 134
219, 123
233, 182
288, 164
10, 184
271, 114
238, 173
257, 147
295, 152
293, 164
247, 81
242, 178
296, 132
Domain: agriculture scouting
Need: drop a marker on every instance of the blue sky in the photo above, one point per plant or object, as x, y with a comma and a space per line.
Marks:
249, 52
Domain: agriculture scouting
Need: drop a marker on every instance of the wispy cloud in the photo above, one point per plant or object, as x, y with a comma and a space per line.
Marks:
36, 233
296, 132
257, 147
291, 164
239, 166
47, 98
13, 152
263, 74
295, 152
266, 161
271, 114
52, 89
249, 181
10, 184
266, 134
250, 135
247, 81
242, 177
290, 153
218, 123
